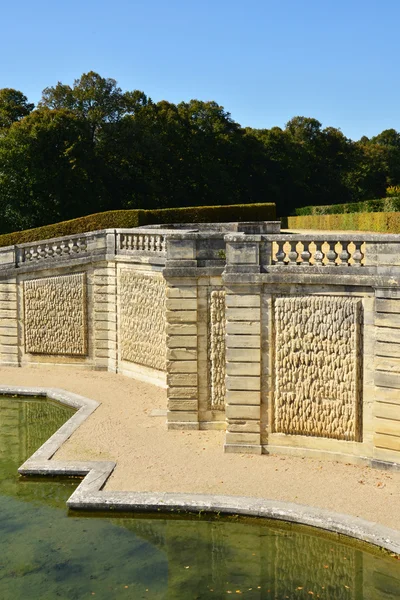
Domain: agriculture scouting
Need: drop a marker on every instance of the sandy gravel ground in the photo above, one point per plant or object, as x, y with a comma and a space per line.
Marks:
150, 458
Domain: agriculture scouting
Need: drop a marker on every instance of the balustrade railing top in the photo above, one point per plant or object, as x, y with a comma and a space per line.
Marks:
148, 241
152, 245
314, 250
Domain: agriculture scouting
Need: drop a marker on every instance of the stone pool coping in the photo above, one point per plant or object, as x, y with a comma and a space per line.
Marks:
90, 496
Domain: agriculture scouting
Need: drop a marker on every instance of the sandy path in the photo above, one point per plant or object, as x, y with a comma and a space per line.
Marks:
150, 458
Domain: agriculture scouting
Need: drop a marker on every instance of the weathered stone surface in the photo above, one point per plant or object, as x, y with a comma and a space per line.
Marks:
142, 309
317, 366
55, 315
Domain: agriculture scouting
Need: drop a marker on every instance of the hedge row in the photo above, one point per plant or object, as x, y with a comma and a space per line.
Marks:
380, 222
133, 218
379, 205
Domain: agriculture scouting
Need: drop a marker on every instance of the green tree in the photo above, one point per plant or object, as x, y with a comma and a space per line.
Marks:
96, 99
13, 107
47, 170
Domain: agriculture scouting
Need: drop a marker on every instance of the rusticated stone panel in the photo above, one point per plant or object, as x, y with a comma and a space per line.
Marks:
216, 350
56, 315
317, 366
143, 312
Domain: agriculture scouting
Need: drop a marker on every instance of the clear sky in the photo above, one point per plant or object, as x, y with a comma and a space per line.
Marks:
265, 61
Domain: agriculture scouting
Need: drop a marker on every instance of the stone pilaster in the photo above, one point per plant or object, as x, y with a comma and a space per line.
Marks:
243, 370
105, 317
9, 352
182, 333
243, 344
182, 354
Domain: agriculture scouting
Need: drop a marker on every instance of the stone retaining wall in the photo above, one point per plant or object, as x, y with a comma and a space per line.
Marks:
290, 343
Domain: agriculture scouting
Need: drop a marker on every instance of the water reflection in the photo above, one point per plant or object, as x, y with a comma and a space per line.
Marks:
44, 553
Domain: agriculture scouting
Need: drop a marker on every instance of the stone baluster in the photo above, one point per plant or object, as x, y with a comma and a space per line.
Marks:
41, 252
280, 253
357, 254
344, 254
49, 250
305, 254
331, 255
74, 246
121, 241
57, 250
318, 255
34, 253
82, 245
162, 243
64, 248
293, 254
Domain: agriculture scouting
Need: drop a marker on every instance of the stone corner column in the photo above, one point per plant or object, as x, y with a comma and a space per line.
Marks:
182, 332
104, 336
9, 341
243, 345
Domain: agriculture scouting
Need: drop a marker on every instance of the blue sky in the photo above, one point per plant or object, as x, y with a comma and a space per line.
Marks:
265, 61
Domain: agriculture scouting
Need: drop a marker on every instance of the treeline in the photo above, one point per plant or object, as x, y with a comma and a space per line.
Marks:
91, 147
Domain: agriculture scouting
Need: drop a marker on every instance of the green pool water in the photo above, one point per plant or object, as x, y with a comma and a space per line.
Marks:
47, 553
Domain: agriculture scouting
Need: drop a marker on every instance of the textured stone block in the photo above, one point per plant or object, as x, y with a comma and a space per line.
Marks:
243, 354
142, 326
243, 341
182, 292
387, 306
240, 411
181, 341
317, 366
243, 368
55, 315
243, 314
384, 363
243, 383
388, 442
183, 366
242, 300
388, 411
243, 328
182, 405
387, 320
182, 379
181, 316
386, 334
181, 354
385, 379
180, 415
242, 438
388, 426
243, 397
387, 349
182, 392
181, 329
181, 303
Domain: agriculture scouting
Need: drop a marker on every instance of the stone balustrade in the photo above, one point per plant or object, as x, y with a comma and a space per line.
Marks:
146, 241
318, 251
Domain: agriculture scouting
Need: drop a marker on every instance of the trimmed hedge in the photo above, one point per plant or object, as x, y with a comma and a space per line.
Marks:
378, 205
210, 214
380, 222
110, 219
133, 218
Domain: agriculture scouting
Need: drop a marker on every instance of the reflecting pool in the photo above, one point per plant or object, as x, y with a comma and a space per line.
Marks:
49, 554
